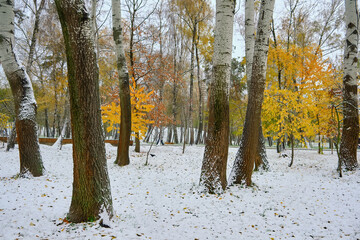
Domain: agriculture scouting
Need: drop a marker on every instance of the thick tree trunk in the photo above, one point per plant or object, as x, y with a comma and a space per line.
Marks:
261, 161
91, 195
213, 171
350, 134
122, 157
248, 151
261, 158
24, 101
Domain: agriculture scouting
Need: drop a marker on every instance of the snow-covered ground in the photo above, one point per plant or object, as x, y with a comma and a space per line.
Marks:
161, 200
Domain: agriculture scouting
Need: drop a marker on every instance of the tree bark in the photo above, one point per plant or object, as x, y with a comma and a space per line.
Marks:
91, 195
34, 35
350, 134
213, 171
12, 138
261, 158
122, 158
201, 113
248, 150
24, 100
176, 78
192, 53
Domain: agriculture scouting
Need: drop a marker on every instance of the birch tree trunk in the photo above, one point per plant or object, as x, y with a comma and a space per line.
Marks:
350, 134
201, 112
261, 158
213, 171
11, 138
24, 100
91, 195
122, 158
249, 37
176, 78
34, 35
248, 150
192, 53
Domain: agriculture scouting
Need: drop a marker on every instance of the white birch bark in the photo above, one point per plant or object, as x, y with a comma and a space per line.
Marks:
351, 46
21, 87
249, 37
58, 143
213, 171
249, 53
117, 28
350, 134
125, 104
248, 151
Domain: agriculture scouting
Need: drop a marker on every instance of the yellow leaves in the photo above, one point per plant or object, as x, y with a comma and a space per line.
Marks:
297, 99
4, 119
140, 107
111, 115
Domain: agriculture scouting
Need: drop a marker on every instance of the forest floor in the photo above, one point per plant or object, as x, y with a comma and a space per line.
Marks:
161, 200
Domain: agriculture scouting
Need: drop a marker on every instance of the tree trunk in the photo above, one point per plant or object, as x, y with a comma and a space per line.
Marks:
247, 153
176, 78
148, 133
350, 134
58, 143
192, 53
201, 113
91, 186
261, 158
270, 141
122, 157
137, 142
24, 101
34, 35
169, 135
47, 123
213, 171
12, 138
176, 139
292, 149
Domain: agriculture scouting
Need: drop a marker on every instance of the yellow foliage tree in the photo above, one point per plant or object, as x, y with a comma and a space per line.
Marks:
4, 118
140, 106
299, 104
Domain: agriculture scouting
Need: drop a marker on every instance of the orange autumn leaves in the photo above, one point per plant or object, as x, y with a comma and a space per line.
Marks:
140, 107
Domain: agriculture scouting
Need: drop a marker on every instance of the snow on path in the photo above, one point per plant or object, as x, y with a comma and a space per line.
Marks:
161, 201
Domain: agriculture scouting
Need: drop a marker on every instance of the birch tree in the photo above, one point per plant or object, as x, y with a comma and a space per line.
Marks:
248, 150
91, 186
21, 87
35, 33
122, 158
213, 171
350, 134
261, 158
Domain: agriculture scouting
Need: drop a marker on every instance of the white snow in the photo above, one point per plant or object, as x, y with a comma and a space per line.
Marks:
162, 201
